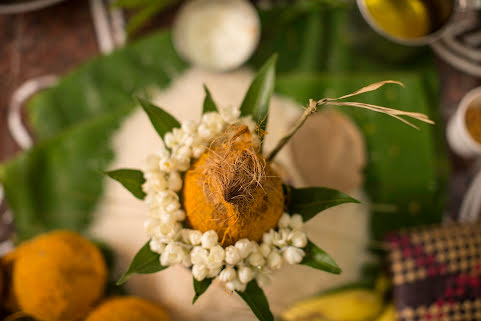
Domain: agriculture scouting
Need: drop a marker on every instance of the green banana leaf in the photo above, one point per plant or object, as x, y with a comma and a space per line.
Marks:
329, 36
406, 171
104, 85
58, 182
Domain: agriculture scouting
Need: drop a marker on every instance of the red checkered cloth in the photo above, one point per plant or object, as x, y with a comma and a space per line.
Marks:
437, 273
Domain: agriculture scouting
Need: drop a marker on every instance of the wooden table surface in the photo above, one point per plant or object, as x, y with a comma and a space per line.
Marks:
57, 39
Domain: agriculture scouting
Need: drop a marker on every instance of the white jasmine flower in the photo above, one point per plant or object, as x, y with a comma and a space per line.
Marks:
179, 215
184, 235
227, 274
298, 238
293, 255
166, 198
235, 285
280, 238
245, 247
232, 255
265, 249
156, 246
199, 255
154, 181
268, 237
189, 126
195, 237
182, 152
166, 164
263, 279
245, 274
199, 271
213, 121
274, 260
256, 259
204, 131
249, 122
284, 221
175, 182
212, 273
216, 257
172, 254
166, 218
170, 140
209, 239
152, 162
230, 114
168, 231
296, 222
150, 225
198, 150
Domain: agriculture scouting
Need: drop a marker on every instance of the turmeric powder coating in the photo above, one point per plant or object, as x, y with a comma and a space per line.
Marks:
473, 122
232, 190
58, 276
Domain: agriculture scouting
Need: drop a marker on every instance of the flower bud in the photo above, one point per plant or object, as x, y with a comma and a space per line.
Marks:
284, 221
172, 254
235, 285
199, 255
157, 246
199, 271
227, 274
256, 259
175, 182
216, 257
209, 239
244, 246
232, 255
274, 261
245, 274
296, 222
293, 255
268, 237
212, 273
179, 215
195, 237
265, 249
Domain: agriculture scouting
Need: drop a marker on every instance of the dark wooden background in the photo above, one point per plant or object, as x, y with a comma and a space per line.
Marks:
55, 40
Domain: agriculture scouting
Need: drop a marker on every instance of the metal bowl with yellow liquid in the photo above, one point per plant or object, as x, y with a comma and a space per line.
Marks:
412, 22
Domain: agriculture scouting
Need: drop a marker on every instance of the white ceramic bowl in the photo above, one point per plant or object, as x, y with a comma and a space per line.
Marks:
458, 135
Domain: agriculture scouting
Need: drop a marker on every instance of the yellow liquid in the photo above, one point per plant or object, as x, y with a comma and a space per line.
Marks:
406, 19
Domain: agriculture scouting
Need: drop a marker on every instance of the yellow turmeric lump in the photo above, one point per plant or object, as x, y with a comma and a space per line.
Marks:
127, 309
232, 190
58, 276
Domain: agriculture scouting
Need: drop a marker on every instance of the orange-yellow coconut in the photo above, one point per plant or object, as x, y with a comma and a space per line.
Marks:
58, 276
127, 309
232, 190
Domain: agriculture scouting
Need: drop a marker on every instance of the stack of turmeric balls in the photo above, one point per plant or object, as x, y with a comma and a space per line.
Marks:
61, 276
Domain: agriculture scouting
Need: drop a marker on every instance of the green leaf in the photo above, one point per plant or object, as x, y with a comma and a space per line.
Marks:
104, 85
131, 179
405, 191
162, 121
131, 4
144, 262
209, 104
319, 259
146, 13
200, 287
310, 201
57, 183
258, 96
256, 300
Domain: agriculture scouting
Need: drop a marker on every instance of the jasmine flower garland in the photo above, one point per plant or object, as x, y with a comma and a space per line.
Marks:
237, 264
